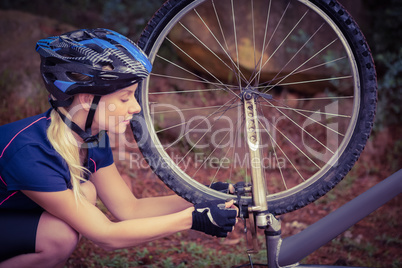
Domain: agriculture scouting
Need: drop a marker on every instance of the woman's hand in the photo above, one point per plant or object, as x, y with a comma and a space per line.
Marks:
223, 187
215, 217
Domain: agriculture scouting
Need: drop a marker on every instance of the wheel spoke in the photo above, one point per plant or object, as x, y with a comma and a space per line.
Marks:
235, 39
236, 68
206, 118
213, 59
303, 129
187, 109
258, 73
211, 51
294, 56
300, 150
304, 63
217, 79
275, 144
263, 42
310, 118
196, 143
281, 44
307, 111
184, 79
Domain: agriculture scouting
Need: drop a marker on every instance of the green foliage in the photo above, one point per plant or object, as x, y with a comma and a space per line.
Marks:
15, 105
384, 31
176, 253
125, 16
356, 245
129, 17
384, 34
113, 261
7, 82
390, 89
387, 239
397, 263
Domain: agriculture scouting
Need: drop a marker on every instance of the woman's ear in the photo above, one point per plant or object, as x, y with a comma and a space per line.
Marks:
85, 100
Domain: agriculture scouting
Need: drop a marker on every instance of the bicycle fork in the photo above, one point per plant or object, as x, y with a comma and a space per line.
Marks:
263, 219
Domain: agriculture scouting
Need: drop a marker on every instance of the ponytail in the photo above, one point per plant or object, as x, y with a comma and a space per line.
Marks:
63, 141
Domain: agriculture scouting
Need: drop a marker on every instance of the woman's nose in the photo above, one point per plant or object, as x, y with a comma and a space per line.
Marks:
135, 107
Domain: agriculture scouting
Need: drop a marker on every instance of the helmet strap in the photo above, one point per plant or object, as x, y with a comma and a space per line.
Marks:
86, 134
91, 115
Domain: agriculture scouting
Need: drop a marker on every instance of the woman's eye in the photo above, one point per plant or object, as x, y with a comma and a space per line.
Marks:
125, 100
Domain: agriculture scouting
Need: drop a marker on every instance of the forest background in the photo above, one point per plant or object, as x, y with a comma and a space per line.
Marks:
22, 94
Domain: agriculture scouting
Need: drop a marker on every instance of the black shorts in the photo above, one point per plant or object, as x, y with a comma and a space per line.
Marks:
18, 232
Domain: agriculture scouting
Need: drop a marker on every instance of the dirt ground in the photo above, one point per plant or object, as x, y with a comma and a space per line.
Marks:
375, 241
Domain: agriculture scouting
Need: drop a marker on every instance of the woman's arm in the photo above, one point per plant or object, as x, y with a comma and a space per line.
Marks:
93, 224
142, 220
121, 202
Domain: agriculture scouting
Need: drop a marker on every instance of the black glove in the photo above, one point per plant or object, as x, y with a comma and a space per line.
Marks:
220, 187
213, 218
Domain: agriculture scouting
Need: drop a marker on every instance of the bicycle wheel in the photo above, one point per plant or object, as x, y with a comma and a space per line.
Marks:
306, 64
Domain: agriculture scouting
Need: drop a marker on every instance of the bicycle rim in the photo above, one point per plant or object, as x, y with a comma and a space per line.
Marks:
299, 62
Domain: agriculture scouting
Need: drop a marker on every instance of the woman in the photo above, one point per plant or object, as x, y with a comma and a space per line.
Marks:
54, 165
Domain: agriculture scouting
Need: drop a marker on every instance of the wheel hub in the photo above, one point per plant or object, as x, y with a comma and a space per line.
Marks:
250, 92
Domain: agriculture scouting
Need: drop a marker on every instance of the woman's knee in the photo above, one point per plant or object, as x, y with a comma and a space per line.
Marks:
55, 239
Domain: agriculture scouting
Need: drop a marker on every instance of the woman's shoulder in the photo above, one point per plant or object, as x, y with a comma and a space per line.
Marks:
31, 130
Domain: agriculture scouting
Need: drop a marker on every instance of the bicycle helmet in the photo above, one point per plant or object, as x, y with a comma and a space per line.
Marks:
86, 52
75, 62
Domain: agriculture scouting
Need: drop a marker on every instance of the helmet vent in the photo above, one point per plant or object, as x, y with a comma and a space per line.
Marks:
49, 76
106, 76
78, 77
49, 62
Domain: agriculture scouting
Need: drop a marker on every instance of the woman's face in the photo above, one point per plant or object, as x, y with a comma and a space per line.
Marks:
115, 110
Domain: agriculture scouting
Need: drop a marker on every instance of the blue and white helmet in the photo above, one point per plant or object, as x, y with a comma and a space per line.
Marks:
86, 52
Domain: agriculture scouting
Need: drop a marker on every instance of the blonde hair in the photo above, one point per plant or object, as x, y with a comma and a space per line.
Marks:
63, 141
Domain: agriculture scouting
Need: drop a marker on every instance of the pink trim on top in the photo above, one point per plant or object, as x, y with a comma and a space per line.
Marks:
20, 132
2, 153
3, 181
8, 197
94, 163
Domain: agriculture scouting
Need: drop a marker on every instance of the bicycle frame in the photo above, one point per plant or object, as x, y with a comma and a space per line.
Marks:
291, 250
298, 246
